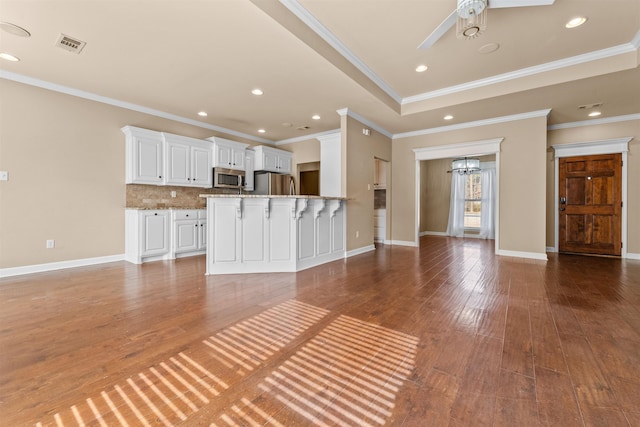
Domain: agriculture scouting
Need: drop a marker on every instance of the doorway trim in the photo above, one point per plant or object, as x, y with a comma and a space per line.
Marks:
588, 148
473, 148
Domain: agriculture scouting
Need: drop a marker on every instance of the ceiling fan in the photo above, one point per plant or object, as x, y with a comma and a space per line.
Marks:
471, 18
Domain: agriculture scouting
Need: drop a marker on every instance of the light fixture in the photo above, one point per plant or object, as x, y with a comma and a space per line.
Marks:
10, 28
576, 22
316, 117
261, 131
594, 113
421, 68
257, 92
472, 18
202, 114
9, 57
448, 117
465, 166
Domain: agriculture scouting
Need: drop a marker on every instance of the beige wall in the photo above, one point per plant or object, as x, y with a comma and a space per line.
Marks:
599, 133
66, 158
435, 192
522, 181
361, 151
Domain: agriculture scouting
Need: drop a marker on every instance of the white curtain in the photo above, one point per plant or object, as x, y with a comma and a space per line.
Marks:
488, 210
456, 205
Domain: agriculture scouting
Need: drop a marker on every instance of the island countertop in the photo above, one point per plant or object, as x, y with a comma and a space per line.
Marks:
267, 196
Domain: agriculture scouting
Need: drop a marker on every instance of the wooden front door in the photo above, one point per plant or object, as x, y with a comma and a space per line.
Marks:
591, 204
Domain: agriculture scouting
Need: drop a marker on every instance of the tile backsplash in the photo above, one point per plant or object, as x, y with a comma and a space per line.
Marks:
158, 197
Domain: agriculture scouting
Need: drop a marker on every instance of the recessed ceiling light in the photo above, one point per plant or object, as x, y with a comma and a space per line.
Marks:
421, 68
448, 117
257, 92
261, 130
9, 57
202, 114
576, 22
594, 113
14, 29
315, 117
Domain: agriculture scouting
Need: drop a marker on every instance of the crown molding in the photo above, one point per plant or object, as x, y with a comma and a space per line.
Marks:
312, 22
123, 104
307, 137
632, 46
347, 112
589, 148
592, 122
477, 123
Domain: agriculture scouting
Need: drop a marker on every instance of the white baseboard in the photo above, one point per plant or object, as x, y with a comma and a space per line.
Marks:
403, 243
359, 251
39, 268
432, 233
632, 256
518, 254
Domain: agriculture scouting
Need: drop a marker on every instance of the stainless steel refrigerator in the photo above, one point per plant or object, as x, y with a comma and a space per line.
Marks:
269, 183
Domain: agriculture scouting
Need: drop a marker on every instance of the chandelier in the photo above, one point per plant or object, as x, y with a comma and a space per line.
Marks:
472, 18
465, 165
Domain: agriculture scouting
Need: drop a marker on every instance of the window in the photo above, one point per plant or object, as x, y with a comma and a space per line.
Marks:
472, 201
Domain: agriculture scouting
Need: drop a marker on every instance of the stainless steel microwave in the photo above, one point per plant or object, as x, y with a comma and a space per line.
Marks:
228, 178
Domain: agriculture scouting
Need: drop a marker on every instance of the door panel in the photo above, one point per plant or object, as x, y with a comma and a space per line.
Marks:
590, 204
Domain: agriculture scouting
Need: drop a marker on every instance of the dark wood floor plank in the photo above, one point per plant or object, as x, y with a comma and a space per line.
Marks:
447, 332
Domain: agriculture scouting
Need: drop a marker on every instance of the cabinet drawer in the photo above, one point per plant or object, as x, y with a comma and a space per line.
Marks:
202, 214
185, 214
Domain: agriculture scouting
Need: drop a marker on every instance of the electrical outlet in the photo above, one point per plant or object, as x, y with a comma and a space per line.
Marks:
4, 176
174, 194
357, 234
51, 244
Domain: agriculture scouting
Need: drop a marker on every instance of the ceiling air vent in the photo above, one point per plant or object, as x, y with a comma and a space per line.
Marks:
303, 128
69, 43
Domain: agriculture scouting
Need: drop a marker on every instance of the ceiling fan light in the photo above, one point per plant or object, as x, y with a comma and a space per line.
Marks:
471, 25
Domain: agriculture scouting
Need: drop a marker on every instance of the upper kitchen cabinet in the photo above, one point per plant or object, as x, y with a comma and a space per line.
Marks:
272, 159
144, 156
188, 161
228, 154
380, 174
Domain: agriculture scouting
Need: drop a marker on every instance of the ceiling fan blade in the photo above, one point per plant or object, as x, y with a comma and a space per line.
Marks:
445, 26
496, 4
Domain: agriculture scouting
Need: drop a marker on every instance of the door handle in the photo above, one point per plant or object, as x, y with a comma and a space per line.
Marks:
563, 200
562, 209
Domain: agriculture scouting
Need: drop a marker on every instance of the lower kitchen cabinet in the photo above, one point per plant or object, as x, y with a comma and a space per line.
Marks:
152, 235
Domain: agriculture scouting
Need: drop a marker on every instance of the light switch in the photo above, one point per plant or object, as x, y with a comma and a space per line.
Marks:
4, 176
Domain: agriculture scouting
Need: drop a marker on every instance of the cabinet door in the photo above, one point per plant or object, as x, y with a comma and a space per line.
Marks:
186, 235
147, 161
284, 164
178, 164
154, 233
222, 156
202, 235
271, 162
249, 168
238, 159
201, 167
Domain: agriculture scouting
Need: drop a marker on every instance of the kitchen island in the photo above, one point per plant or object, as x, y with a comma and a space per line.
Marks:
267, 234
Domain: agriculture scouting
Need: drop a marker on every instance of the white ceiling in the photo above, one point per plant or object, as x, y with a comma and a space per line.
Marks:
318, 56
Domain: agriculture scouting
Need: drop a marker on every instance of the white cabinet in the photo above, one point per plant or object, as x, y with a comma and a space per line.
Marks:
164, 234
189, 232
159, 158
380, 174
379, 225
228, 154
249, 160
272, 159
144, 156
146, 235
188, 162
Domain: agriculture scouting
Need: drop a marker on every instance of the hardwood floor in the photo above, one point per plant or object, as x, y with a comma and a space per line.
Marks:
447, 334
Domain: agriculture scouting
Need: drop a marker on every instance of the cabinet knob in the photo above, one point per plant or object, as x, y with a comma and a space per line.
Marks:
156, 214
160, 176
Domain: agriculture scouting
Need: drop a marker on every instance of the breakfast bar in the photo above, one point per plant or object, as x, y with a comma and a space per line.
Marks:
266, 234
